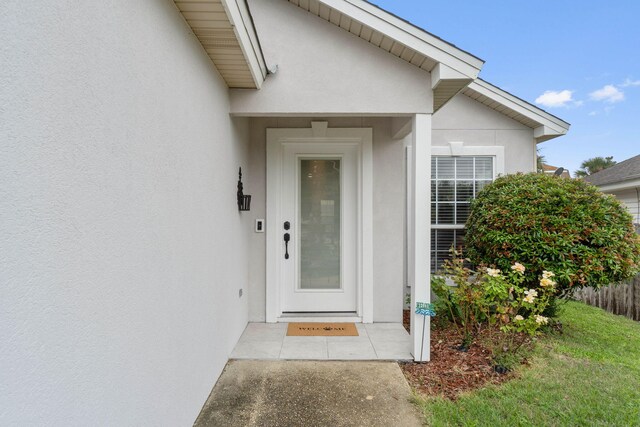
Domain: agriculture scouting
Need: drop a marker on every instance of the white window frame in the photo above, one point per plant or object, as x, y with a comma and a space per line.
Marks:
459, 149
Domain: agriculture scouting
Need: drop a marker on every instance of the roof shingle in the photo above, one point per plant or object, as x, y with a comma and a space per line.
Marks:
623, 171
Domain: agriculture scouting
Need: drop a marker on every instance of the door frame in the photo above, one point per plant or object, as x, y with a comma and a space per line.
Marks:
320, 133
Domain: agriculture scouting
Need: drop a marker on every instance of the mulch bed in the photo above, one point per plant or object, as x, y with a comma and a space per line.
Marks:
452, 372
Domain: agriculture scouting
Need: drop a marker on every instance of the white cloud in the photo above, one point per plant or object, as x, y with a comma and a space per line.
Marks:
552, 98
608, 93
629, 82
593, 113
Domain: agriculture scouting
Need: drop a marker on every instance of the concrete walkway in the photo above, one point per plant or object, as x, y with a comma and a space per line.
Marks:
310, 393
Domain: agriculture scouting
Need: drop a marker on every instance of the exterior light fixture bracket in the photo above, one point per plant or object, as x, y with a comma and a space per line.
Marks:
244, 201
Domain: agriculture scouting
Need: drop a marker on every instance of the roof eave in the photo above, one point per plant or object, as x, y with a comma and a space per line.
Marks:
544, 133
226, 32
453, 67
410, 35
242, 23
621, 185
446, 83
548, 126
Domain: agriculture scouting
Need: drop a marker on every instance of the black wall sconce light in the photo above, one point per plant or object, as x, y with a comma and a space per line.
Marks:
244, 201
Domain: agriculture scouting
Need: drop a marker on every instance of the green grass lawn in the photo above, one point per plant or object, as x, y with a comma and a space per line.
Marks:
587, 376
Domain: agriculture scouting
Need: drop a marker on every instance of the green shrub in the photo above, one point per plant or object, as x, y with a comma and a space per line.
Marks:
564, 225
459, 303
495, 301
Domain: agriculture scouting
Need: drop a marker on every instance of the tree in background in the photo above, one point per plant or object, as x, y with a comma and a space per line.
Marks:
593, 165
540, 160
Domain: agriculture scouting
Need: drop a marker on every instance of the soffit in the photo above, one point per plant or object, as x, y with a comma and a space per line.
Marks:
501, 108
366, 33
228, 38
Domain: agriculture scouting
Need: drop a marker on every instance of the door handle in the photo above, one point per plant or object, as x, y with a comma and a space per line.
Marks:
287, 237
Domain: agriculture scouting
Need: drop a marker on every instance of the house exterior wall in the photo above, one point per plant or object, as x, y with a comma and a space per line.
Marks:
122, 247
388, 212
631, 199
468, 121
323, 69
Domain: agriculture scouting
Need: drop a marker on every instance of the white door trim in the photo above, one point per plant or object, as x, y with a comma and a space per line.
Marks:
364, 138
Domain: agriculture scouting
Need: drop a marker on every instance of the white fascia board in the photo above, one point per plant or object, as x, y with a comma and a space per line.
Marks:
446, 83
442, 73
545, 133
550, 126
624, 185
240, 19
408, 35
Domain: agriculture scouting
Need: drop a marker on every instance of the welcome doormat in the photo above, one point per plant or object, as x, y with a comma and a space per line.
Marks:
322, 330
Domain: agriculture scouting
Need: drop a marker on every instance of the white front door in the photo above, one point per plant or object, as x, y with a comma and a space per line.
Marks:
319, 222
319, 196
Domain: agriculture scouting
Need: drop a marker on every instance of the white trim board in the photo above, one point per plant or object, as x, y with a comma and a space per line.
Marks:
546, 126
402, 32
320, 133
621, 185
458, 149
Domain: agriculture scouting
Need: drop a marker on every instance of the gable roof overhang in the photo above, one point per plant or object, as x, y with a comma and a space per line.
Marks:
226, 31
227, 34
451, 68
545, 126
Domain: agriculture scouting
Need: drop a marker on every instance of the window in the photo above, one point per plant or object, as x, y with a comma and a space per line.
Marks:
455, 181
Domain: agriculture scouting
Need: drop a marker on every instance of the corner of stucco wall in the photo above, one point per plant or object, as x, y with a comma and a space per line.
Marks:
257, 241
119, 169
388, 221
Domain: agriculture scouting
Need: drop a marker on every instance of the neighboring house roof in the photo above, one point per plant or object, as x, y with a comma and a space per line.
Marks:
550, 170
226, 31
625, 174
546, 126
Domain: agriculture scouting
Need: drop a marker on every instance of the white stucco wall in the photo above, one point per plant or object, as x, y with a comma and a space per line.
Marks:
468, 121
121, 248
323, 69
388, 212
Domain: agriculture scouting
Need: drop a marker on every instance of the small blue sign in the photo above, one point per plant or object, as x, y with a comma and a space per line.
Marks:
425, 309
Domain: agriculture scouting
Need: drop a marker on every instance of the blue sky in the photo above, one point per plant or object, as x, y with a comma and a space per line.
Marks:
585, 55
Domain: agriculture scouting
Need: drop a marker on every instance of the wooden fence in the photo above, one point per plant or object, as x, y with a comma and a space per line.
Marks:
623, 299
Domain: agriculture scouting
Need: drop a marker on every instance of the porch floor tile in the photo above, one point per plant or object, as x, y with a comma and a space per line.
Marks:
376, 341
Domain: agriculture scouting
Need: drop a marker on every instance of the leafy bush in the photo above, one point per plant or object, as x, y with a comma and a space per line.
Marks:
564, 225
459, 303
496, 301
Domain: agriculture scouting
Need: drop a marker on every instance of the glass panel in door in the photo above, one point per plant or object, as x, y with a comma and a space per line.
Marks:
320, 224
